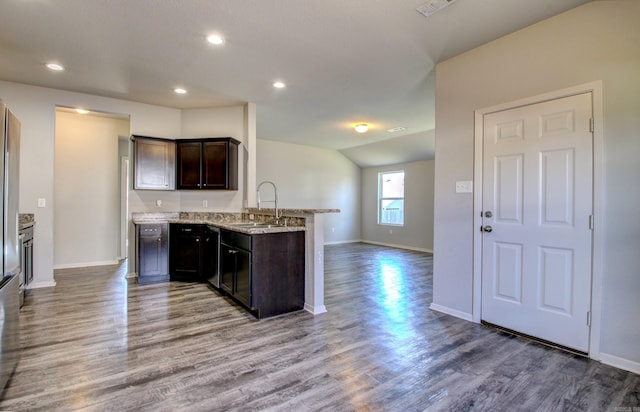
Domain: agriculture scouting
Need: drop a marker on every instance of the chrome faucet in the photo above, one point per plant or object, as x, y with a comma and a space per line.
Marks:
275, 199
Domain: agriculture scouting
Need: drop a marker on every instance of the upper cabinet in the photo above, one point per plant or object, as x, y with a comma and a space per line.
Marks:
186, 164
207, 164
155, 163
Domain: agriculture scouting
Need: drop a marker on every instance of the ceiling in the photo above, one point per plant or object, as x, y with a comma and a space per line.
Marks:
343, 61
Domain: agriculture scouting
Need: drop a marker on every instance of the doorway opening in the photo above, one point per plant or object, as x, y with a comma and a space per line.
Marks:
91, 188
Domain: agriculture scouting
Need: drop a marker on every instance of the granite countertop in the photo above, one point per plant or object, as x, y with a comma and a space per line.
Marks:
291, 211
227, 221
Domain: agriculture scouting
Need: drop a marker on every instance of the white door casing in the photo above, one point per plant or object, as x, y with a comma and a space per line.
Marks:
537, 184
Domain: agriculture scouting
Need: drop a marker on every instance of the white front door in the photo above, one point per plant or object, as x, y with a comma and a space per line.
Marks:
536, 215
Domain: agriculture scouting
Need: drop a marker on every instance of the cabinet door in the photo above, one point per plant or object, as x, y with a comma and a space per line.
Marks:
243, 277
210, 256
154, 164
188, 165
186, 257
214, 165
227, 268
153, 258
153, 247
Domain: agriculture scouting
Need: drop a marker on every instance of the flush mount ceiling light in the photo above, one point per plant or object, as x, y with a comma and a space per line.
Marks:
279, 85
180, 90
80, 110
396, 129
54, 67
361, 127
215, 39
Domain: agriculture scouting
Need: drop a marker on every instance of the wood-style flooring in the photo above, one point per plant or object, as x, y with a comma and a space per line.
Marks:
100, 342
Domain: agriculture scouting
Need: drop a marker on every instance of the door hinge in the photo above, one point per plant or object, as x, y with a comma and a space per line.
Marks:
590, 222
591, 127
589, 318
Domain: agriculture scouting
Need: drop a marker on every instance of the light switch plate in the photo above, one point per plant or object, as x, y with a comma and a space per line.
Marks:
42, 202
464, 186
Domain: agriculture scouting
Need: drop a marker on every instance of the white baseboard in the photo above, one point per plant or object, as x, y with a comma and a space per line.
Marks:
342, 242
86, 264
417, 249
38, 285
620, 363
315, 310
452, 312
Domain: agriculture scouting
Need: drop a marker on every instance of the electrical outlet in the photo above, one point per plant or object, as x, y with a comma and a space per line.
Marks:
333, 229
158, 203
391, 231
205, 203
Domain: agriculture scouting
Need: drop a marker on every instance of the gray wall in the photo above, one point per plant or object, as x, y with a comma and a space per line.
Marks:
597, 41
417, 233
311, 177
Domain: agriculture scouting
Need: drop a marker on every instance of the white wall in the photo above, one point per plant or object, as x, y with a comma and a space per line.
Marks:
310, 177
87, 197
597, 41
216, 122
417, 232
35, 107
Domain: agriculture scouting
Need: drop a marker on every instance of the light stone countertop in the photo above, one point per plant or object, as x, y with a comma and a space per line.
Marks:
25, 220
291, 211
227, 221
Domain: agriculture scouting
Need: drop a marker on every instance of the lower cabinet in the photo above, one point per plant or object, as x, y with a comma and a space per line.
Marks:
186, 252
152, 244
263, 272
193, 252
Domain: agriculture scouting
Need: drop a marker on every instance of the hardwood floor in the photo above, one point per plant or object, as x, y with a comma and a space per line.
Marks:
99, 342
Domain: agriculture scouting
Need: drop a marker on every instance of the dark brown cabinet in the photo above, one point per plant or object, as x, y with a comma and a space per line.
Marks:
263, 272
193, 252
152, 244
207, 164
185, 259
235, 266
154, 163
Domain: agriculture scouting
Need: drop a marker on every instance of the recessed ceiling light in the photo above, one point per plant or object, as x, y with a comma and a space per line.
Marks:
55, 67
396, 129
180, 90
82, 111
279, 85
215, 39
361, 128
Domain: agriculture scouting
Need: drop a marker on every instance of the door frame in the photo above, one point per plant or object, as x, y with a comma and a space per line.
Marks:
595, 88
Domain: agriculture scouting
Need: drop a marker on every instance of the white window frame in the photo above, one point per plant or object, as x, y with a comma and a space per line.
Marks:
381, 199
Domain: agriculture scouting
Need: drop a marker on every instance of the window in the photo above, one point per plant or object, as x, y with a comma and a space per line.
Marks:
391, 198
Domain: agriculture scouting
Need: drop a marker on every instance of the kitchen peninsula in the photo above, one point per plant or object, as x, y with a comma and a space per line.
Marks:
269, 266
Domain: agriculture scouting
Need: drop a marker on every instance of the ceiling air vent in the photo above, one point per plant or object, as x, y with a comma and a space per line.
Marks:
433, 6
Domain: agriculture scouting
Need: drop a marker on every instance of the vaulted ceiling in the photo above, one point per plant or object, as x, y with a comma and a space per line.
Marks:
343, 61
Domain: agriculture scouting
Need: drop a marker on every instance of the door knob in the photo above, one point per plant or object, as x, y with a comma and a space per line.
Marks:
486, 229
